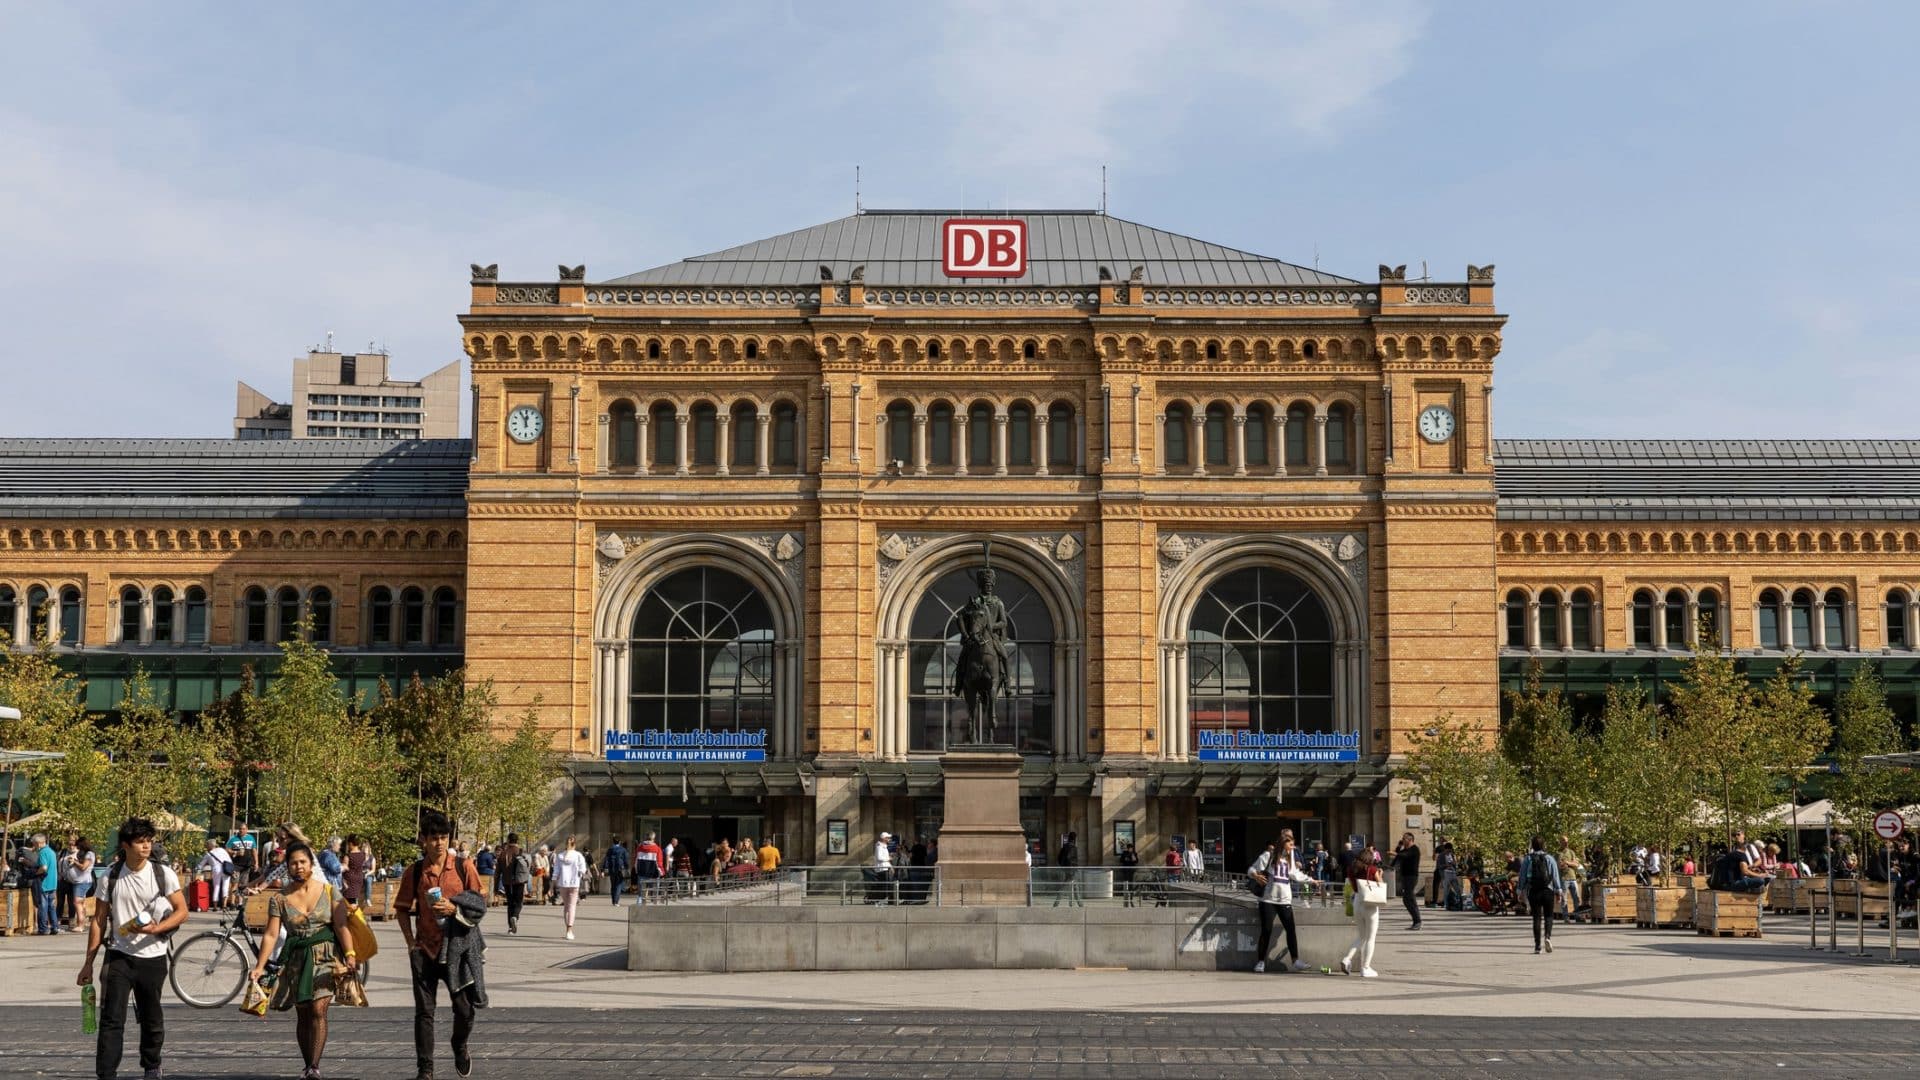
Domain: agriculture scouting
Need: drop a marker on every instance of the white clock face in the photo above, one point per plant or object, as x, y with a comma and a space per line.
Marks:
1436, 423
525, 424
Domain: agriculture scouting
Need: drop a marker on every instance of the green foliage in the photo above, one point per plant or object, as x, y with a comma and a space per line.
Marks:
513, 785
1642, 789
1552, 760
70, 791
1484, 799
160, 766
1863, 725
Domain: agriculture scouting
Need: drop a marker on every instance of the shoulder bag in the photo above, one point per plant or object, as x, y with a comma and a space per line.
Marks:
1371, 893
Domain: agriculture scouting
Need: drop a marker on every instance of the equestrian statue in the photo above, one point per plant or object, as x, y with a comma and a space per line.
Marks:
980, 676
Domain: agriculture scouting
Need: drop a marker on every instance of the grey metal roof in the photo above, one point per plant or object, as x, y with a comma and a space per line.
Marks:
232, 478
902, 247
1707, 479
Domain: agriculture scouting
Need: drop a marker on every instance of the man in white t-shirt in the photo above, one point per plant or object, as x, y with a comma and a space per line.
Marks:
218, 866
140, 904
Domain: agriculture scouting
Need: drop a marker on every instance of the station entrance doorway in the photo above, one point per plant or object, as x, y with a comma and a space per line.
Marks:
1233, 832
701, 822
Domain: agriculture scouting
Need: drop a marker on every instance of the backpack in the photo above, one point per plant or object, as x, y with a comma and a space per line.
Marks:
1539, 874
1724, 868
522, 869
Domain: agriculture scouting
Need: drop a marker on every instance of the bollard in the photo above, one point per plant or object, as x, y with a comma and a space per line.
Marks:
1860, 919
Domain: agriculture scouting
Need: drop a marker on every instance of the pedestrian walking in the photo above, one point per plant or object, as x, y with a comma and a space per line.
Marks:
1368, 894
1406, 874
649, 866
81, 877
439, 895
1277, 871
1540, 884
769, 856
314, 917
143, 903
1446, 876
1196, 861
569, 871
1129, 869
880, 874
217, 865
357, 873
516, 871
615, 863
543, 875
46, 886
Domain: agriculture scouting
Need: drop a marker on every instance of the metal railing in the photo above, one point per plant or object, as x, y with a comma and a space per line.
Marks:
1041, 886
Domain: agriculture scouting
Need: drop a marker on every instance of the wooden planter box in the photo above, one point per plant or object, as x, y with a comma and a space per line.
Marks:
1853, 896
1784, 893
1726, 914
256, 912
1657, 907
380, 896
1613, 903
1811, 896
16, 911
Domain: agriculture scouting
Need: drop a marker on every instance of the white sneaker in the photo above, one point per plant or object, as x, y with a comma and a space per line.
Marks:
1369, 973
1346, 967
1302, 965
1259, 967
569, 935
1549, 944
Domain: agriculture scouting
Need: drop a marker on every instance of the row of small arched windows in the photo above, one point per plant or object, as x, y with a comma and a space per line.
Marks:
743, 438
57, 614
1261, 440
1681, 619
983, 436
405, 616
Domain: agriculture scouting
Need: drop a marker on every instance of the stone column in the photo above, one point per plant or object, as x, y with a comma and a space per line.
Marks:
1046, 445
1320, 444
1691, 632
1239, 443
603, 443
1280, 442
999, 442
684, 464
1566, 623
965, 449
1819, 620
1161, 429
1659, 622
919, 444
643, 448
723, 444
1197, 444
762, 423
1533, 624
147, 620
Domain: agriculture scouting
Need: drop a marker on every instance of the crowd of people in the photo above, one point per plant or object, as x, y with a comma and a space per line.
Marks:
650, 869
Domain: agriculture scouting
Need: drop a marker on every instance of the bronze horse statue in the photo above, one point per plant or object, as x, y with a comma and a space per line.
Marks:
980, 675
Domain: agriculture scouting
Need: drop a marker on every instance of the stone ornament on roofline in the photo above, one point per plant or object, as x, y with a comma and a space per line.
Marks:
485, 275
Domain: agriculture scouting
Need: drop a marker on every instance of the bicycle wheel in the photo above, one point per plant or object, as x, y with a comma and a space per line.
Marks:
208, 970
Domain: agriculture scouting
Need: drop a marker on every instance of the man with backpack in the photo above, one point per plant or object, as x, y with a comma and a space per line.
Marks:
1540, 884
516, 873
616, 865
424, 906
142, 907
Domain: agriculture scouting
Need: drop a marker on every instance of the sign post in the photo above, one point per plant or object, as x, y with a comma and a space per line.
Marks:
1889, 826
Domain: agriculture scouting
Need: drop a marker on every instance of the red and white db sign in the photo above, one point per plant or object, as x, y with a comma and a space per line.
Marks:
983, 247
1888, 825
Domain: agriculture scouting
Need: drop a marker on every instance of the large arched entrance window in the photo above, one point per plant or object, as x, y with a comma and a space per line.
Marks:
937, 718
702, 646
1260, 655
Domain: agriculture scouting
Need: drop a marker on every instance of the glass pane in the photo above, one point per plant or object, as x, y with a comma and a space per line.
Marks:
1297, 423
1020, 436
786, 434
1676, 619
703, 435
1060, 448
1802, 625
1769, 626
746, 438
666, 437
1176, 438
900, 434
1516, 624
980, 437
1256, 438
1216, 432
1896, 620
1339, 448
1582, 623
940, 437
1836, 626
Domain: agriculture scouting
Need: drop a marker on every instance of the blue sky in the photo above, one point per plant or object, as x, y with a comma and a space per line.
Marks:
1703, 214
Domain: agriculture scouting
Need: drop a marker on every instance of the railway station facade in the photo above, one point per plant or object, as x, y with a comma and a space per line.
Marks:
716, 518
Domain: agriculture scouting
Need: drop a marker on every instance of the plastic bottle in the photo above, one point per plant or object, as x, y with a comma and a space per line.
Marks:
89, 1012
134, 923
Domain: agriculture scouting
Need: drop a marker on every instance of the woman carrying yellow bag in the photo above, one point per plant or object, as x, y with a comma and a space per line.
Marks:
319, 956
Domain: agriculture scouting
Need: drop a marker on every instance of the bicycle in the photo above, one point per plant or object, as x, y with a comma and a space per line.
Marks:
209, 969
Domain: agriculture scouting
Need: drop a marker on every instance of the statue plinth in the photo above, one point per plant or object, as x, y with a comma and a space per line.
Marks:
983, 848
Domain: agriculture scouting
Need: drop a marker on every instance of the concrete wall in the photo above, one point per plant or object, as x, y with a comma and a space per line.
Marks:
891, 938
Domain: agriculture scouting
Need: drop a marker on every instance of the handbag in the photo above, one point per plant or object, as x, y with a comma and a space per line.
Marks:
1371, 893
365, 945
347, 987
254, 1001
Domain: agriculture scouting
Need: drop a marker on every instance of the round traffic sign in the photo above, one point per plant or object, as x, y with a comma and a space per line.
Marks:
1888, 824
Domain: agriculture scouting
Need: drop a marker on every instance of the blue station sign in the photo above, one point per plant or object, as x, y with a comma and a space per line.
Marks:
687, 747
1278, 747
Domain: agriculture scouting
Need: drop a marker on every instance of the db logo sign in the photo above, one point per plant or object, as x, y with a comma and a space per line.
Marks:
983, 247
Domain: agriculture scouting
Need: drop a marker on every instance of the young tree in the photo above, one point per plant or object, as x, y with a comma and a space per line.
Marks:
1481, 797
513, 788
330, 770
1863, 725
1715, 730
70, 790
1554, 761
1643, 789
159, 764
443, 729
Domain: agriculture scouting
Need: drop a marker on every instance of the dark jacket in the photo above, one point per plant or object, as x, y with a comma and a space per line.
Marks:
463, 949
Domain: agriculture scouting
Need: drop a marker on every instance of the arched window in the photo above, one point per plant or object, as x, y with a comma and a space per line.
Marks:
253, 615
1020, 435
1896, 619
1259, 418
746, 436
705, 430
71, 611
980, 435
1174, 440
702, 645
1643, 619
1769, 619
130, 610
1339, 437
1061, 448
1216, 434
900, 432
940, 435
380, 616
413, 616
1833, 619
1550, 619
286, 603
1516, 618
625, 422
1710, 634
10, 614
1260, 655
1676, 619
196, 615
786, 434
320, 614
1800, 614
39, 613
1025, 714
162, 615
446, 617
666, 435
1581, 604
1299, 419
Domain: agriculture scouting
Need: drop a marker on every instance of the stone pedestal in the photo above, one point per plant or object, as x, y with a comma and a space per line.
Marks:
982, 846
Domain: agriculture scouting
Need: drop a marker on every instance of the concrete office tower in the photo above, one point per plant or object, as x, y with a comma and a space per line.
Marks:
349, 396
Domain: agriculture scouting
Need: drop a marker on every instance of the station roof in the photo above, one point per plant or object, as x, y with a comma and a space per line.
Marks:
902, 247
233, 478
1707, 479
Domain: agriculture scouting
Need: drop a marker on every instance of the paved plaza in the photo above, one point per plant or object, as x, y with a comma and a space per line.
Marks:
1465, 993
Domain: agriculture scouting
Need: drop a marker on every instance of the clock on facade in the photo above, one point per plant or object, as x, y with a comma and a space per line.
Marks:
525, 424
1436, 423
